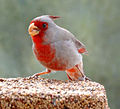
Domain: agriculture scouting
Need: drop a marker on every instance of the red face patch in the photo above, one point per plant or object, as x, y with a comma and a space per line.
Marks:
41, 25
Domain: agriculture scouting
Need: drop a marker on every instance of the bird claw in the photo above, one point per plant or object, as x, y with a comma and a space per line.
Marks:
86, 78
33, 77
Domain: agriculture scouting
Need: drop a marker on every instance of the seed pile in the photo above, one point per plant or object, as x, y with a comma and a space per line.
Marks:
40, 93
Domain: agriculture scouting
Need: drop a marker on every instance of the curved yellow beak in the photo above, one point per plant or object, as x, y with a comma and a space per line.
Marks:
33, 30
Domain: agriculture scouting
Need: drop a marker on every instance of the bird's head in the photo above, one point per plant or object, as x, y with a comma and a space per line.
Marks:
39, 25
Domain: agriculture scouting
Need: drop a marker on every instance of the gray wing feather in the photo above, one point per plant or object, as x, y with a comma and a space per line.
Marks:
67, 35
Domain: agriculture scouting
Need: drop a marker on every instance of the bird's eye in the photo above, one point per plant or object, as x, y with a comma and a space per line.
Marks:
44, 25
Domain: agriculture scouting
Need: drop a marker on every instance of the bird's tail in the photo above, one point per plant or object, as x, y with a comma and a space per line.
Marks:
76, 73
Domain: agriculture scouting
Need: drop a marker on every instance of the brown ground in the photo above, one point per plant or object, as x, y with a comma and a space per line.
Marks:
39, 93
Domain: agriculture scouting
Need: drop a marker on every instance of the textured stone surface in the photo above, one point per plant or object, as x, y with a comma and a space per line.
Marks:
39, 93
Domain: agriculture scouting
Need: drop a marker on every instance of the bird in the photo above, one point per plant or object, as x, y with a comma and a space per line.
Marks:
56, 48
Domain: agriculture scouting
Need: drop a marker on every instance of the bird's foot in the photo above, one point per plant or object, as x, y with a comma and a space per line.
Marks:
33, 77
41, 73
86, 78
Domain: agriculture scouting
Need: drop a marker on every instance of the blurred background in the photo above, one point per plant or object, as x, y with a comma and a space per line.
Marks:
96, 23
